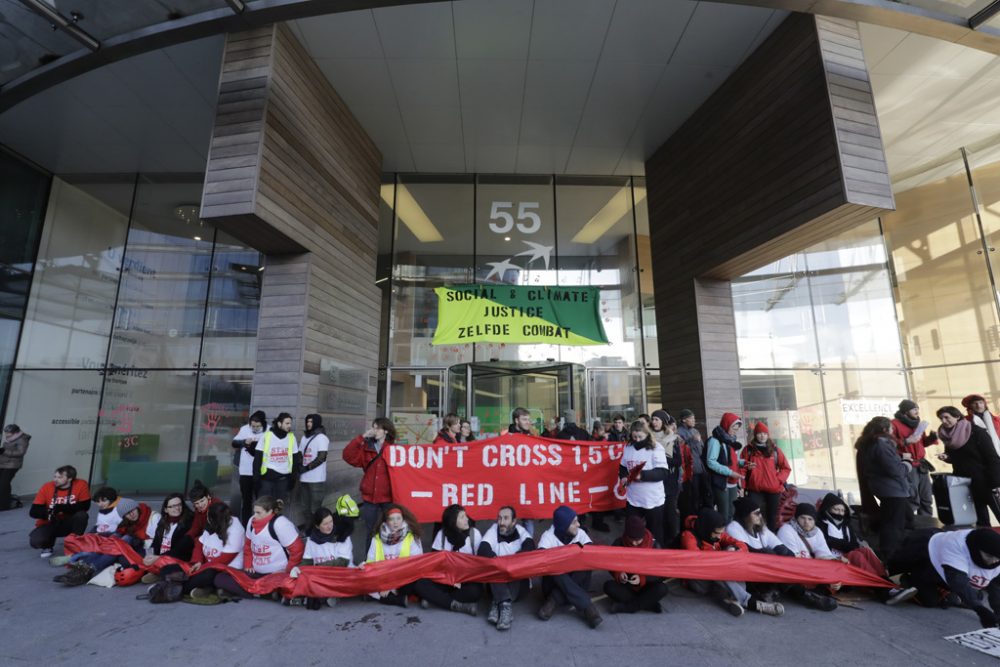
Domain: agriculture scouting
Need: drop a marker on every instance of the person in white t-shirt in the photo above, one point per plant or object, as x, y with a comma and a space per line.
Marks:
272, 545
329, 545
459, 535
571, 588
314, 446
220, 543
397, 535
277, 460
505, 538
167, 533
641, 472
244, 445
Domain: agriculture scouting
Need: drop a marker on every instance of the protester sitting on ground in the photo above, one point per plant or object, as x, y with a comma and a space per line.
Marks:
979, 414
707, 532
570, 588
314, 446
167, 533
912, 439
221, 542
522, 424
645, 494
748, 526
884, 475
328, 544
459, 535
721, 457
451, 430
277, 460
243, 447
969, 450
365, 452
465, 434
13, 447
505, 538
60, 507
118, 518
767, 471
635, 592
272, 545
201, 499
805, 540
397, 536
663, 428
951, 569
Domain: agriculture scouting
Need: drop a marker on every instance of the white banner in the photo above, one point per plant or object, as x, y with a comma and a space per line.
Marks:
985, 641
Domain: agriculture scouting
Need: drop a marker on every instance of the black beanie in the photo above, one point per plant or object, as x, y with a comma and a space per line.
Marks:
806, 509
744, 507
685, 413
906, 405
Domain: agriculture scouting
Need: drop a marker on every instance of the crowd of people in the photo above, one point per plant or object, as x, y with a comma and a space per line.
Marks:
684, 489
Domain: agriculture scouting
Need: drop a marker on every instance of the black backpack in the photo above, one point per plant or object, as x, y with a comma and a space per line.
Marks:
163, 591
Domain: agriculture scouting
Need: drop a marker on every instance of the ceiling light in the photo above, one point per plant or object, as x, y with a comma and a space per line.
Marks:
506, 238
609, 214
187, 212
197, 238
409, 213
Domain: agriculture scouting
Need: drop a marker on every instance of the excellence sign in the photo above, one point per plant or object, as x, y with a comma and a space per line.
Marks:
534, 475
519, 314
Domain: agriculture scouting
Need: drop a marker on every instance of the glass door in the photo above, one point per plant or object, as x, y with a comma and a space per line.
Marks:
415, 403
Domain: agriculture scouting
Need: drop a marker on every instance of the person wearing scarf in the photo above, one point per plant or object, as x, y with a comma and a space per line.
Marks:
459, 535
912, 437
328, 545
571, 588
243, 450
646, 495
723, 463
663, 428
629, 592
397, 535
805, 540
952, 569
314, 446
277, 460
969, 450
167, 532
505, 538
767, 471
978, 413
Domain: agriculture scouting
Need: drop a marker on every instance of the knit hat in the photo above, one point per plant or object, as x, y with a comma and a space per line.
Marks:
760, 427
126, 505
635, 528
569, 416
706, 523
259, 416
562, 518
685, 413
744, 507
727, 421
983, 540
664, 417
805, 509
967, 401
906, 405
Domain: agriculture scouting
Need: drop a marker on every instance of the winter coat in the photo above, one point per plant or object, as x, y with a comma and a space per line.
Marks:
692, 437
901, 431
572, 432
445, 437
884, 472
12, 451
375, 484
841, 539
771, 473
977, 460
691, 542
717, 448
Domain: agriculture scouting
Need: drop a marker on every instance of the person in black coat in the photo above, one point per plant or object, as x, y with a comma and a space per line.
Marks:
969, 449
885, 475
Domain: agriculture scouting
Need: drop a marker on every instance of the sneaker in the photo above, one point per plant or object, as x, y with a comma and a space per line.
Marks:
46, 553
494, 614
733, 607
897, 595
770, 608
202, 592
506, 617
592, 616
470, 608
150, 578
547, 609
331, 602
424, 604
59, 561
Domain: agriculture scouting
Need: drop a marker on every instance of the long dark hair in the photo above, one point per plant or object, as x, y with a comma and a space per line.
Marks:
218, 520
186, 514
269, 504
451, 531
872, 430
343, 526
408, 517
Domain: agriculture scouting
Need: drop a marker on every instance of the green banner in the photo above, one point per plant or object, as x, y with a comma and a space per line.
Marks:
515, 314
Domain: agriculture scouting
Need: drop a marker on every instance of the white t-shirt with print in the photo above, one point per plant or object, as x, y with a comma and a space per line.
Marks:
548, 540
107, 522
492, 538
323, 553
950, 549
646, 495
246, 458
168, 533
311, 447
212, 546
472, 543
268, 553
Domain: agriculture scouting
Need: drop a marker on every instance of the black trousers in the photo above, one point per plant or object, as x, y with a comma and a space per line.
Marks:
246, 498
278, 487
769, 503
893, 514
6, 477
442, 595
985, 500
697, 493
643, 599
569, 588
653, 517
44, 537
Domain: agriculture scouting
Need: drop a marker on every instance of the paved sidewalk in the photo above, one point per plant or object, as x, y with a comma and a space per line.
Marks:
46, 624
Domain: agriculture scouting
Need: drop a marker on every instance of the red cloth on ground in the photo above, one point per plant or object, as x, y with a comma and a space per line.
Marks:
865, 559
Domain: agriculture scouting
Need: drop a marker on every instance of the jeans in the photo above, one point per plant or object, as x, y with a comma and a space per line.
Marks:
441, 595
246, 498
510, 591
310, 498
370, 513
697, 493
571, 588
722, 590
724, 499
100, 561
892, 522
44, 536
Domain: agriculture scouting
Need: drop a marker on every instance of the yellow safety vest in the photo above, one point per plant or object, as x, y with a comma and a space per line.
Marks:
267, 453
404, 551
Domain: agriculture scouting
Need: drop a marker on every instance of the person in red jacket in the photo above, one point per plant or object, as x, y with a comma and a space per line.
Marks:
765, 480
365, 452
449, 435
912, 436
707, 532
629, 592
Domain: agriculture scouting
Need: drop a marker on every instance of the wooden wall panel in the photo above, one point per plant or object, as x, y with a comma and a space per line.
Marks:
785, 153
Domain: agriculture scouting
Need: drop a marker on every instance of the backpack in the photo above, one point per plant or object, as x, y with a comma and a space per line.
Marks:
163, 591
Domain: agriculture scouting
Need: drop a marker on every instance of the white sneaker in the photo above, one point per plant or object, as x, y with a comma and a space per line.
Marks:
46, 553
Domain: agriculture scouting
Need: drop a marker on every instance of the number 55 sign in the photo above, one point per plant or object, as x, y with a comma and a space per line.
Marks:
502, 210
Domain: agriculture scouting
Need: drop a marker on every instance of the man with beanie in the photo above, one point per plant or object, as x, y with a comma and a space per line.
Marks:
635, 592
244, 445
570, 588
767, 471
979, 414
707, 532
912, 436
697, 491
723, 463
13, 447
315, 446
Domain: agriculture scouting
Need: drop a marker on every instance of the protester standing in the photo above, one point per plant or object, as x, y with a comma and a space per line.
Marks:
721, 457
970, 452
912, 436
314, 445
886, 475
366, 452
767, 471
244, 445
12, 450
277, 460
645, 462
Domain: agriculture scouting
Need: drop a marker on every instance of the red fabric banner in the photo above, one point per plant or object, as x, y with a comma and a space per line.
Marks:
535, 475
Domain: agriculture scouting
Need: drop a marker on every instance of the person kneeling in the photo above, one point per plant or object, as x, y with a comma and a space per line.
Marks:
456, 534
571, 588
505, 538
707, 532
635, 592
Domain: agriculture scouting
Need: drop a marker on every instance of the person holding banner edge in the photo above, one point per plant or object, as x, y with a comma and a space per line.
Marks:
571, 588
504, 538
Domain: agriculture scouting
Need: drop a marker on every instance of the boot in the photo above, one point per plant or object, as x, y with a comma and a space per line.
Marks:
548, 608
817, 601
79, 574
592, 616
506, 615
494, 614
769, 608
470, 608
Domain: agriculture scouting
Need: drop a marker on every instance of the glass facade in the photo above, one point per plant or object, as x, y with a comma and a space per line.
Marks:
139, 337
903, 306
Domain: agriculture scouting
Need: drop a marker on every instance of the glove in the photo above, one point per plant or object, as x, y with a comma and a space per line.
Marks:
987, 618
